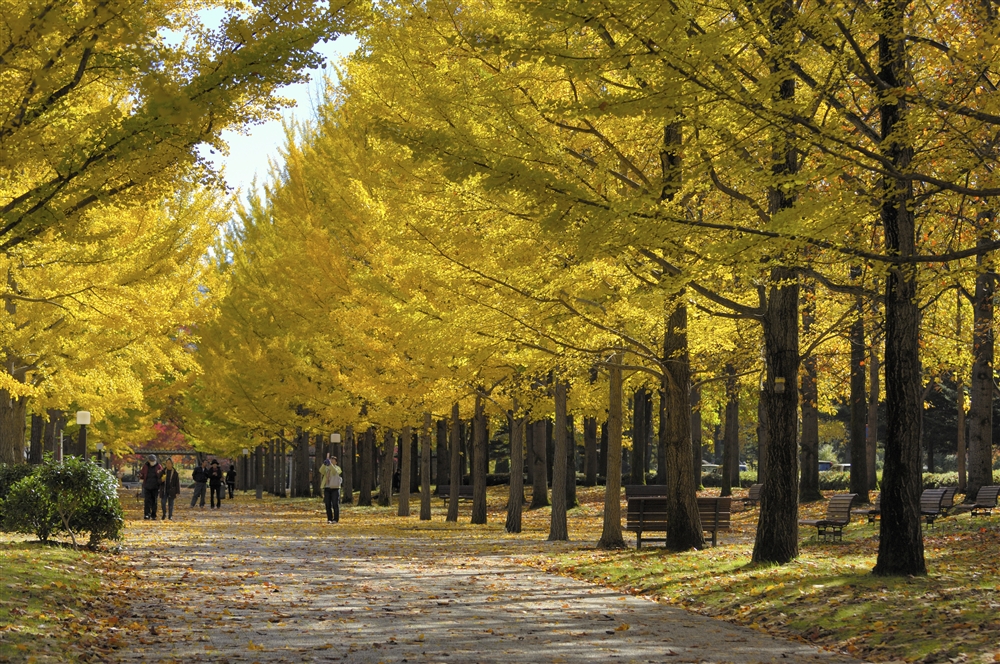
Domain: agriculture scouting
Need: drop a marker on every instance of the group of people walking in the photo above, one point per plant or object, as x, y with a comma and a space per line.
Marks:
162, 482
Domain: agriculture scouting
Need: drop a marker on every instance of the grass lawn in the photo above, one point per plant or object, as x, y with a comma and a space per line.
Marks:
46, 595
828, 595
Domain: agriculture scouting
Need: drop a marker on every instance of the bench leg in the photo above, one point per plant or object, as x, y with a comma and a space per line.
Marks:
638, 540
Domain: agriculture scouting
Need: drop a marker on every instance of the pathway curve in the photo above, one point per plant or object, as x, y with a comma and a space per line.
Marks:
272, 583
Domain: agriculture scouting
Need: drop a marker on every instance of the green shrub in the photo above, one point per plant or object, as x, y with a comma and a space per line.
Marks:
11, 474
28, 510
74, 497
830, 480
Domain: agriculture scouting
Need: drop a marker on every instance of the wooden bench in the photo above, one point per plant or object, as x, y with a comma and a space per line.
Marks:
872, 512
838, 515
937, 503
464, 491
986, 502
716, 515
753, 495
646, 511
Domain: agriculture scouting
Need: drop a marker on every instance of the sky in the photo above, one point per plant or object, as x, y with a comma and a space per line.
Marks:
249, 153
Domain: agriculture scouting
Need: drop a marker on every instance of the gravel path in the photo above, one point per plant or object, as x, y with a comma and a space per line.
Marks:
275, 584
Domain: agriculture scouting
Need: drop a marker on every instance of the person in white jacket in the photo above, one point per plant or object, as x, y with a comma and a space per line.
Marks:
333, 477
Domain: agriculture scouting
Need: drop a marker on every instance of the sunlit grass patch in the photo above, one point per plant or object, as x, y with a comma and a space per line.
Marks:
45, 590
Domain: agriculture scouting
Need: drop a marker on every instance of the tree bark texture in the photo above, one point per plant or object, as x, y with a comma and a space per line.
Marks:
731, 435
37, 436
871, 438
385, 468
639, 405
859, 409
347, 465
443, 453
515, 496
12, 423
571, 454
695, 404
557, 522
455, 472
590, 451
367, 464
425, 469
539, 488
611, 534
901, 546
777, 539
481, 462
809, 454
683, 523
602, 467
405, 450
981, 387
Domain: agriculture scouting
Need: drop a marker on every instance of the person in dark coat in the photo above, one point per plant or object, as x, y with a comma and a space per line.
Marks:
170, 488
150, 476
231, 479
215, 484
200, 477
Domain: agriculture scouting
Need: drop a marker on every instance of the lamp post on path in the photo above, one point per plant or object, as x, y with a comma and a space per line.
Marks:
246, 468
83, 419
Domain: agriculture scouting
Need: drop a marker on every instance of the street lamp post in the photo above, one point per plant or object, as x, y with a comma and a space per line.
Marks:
83, 419
100, 454
334, 439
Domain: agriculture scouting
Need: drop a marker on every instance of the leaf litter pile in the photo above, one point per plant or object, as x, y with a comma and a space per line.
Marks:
269, 581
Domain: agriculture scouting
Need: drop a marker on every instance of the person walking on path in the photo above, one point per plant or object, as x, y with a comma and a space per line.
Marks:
200, 477
332, 479
170, 488
231, 479
215, 484
150, 476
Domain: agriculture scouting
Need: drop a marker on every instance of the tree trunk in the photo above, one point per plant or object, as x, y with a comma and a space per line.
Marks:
539, 488
590, 451
425, 469
695, 404
602, 467
960, 450
859, 406
321, 448
347, 465
980, 420
302, 471
55, 425
367, 463
777, 539
414, 463
871, 438
481, 462
901, 545
809, 475
762, 429
283, 480
683, 523
557, 523
515, 496
443, 454
455, 472
35, 451
611, 535
12, 425
385, 468
639, 436
731, 435
405, 450
570, 464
